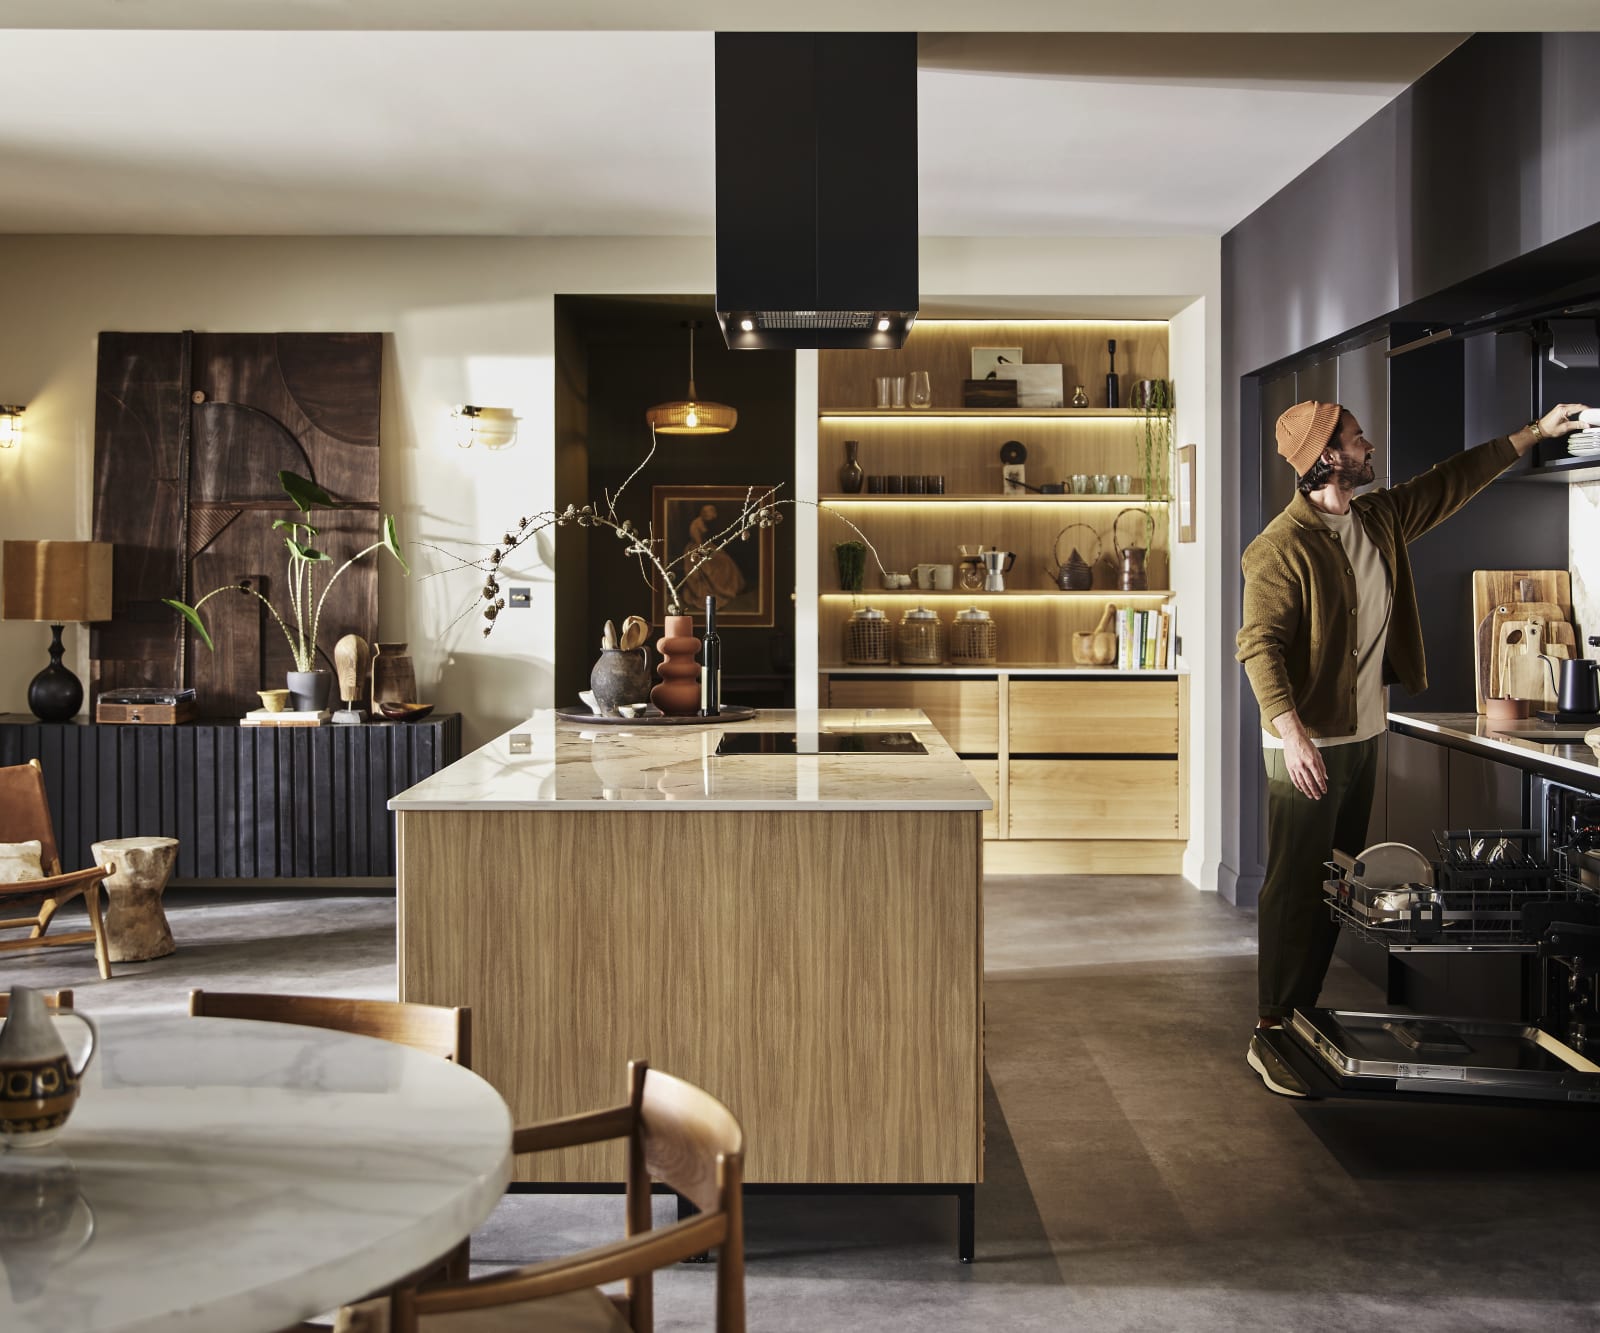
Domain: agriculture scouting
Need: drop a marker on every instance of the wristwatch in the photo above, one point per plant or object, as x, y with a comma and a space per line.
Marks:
1537, 429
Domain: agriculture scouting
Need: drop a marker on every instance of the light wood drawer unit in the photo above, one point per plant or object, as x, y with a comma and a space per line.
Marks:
966, 712
986, 772
1093, 717
1093, 798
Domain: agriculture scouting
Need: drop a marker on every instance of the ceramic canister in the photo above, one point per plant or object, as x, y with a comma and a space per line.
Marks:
38, 1079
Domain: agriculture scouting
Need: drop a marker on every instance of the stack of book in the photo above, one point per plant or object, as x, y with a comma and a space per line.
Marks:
1145, 639
265, 717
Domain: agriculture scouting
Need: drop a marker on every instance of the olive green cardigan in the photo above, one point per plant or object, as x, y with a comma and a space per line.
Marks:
1298, 640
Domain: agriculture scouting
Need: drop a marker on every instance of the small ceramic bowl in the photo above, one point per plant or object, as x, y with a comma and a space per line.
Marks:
404, 712
274, 701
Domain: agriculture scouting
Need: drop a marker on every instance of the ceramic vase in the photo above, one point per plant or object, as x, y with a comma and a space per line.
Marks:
851, 474
38, 1079
308, 690
621, 676
678, 694
393, 679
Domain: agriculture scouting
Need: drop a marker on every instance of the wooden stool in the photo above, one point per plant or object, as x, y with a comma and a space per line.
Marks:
136, 927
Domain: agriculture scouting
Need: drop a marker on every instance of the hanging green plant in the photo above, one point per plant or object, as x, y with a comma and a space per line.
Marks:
1155, 454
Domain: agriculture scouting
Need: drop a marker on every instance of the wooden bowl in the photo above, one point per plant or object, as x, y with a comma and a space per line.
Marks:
1505, 710
1094, 648
274, 701
400, 712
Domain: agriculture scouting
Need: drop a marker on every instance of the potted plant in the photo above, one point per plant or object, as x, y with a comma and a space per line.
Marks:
307, 683
1155, 453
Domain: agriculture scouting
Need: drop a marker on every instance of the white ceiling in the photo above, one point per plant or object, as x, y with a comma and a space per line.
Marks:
332, 122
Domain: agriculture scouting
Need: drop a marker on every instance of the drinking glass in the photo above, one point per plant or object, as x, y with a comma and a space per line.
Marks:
1080, 483
891, 391
919, 391
894, 484
914, 483
1102, 484
1122, 484
933, 483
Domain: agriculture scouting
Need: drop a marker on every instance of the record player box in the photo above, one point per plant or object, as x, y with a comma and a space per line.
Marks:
163, 714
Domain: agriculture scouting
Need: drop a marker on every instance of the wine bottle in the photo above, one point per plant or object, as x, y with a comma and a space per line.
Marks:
711, 672
1112, 394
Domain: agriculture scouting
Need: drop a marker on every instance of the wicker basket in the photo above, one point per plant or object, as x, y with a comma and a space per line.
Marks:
973, 638
866, 638
920, 639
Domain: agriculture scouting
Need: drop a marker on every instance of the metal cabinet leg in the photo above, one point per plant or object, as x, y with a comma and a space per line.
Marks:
967, 1218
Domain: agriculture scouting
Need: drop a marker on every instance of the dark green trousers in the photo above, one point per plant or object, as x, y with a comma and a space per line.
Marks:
1296, 934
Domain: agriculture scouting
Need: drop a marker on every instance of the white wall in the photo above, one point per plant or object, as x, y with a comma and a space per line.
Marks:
465, 321
471, 320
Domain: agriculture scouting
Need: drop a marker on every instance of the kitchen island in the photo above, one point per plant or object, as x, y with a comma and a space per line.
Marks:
1523, 744
801, 934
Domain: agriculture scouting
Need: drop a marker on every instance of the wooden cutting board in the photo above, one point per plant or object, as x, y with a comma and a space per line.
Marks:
1546, 614
1551, 592
1522, 666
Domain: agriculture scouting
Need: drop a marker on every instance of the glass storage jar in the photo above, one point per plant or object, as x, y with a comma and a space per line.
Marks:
921, 638
973, 640
866, 638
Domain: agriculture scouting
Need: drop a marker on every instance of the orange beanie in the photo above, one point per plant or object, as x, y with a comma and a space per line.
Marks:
1304, 431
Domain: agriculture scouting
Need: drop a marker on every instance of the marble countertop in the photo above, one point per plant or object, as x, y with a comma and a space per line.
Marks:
1565, 760
1072, 672
570, 766
224, 1174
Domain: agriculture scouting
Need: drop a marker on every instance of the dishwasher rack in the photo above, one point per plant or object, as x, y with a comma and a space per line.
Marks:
1483, 880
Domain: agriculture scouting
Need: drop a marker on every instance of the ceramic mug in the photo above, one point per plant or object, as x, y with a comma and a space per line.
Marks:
923, 575
944, 577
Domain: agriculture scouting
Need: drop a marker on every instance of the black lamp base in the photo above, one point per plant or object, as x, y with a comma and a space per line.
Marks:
55, 694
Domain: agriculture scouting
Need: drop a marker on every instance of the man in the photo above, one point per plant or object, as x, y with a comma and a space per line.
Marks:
1330, 618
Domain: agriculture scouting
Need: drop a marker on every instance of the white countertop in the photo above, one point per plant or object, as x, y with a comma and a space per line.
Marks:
571, 766
224, 1174
1499, 740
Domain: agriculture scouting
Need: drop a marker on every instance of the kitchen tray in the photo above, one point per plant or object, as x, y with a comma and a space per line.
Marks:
1466, 1056
729, 713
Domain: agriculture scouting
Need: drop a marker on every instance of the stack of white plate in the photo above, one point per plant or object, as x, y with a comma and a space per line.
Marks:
1584, 443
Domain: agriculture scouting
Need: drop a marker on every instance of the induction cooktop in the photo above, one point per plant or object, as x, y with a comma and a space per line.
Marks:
825, 742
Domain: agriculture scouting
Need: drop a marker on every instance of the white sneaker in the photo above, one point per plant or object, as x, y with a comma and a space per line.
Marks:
1274, 1074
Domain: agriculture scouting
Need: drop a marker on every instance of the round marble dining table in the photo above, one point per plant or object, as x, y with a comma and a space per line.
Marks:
219, 1174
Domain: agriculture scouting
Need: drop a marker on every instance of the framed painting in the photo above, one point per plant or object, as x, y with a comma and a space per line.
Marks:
741, 575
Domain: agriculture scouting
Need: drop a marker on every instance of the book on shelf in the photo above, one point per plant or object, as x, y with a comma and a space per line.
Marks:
1144, 639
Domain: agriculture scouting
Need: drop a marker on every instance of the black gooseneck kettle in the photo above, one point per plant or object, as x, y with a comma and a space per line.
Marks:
1578, 689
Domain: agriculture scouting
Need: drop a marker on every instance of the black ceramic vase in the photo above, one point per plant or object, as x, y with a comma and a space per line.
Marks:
55, 694
851, 474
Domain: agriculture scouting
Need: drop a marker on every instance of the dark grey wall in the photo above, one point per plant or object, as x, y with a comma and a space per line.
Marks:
1442, 197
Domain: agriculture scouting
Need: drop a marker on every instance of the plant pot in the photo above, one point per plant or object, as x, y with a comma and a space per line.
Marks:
309, 690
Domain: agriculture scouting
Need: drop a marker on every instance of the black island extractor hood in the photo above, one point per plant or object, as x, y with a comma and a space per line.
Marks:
816, 188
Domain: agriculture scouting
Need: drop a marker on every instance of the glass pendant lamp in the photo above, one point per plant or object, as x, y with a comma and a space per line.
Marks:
691, 416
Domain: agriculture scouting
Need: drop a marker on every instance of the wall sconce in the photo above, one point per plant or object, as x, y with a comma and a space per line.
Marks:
10, 425
492, 427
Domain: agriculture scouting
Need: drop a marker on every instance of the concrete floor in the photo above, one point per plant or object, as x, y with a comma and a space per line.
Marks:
1138, 1175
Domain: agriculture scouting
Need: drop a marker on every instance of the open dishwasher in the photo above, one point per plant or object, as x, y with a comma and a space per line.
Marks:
1488, 891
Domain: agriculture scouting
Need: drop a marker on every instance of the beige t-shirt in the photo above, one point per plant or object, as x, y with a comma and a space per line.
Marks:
1374, 599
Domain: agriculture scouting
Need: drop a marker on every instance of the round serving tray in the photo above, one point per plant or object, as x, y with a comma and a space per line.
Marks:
729, 713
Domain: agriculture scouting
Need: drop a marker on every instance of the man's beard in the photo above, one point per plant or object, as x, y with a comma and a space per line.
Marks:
1351, 475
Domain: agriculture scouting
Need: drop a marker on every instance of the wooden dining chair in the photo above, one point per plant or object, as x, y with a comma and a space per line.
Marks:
677, 1134
60, 999
437, 1029
25, 817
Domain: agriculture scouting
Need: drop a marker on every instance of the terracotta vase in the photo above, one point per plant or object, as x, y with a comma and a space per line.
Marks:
678, 695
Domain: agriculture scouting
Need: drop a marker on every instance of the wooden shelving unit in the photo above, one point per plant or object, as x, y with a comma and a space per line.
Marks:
1104, 809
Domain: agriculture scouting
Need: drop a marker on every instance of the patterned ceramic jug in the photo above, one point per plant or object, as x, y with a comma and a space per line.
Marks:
38, 1079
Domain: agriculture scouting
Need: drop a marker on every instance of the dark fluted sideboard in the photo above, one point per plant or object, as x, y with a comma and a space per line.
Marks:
244, 802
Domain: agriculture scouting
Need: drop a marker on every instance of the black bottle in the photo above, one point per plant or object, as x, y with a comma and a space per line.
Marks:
1112, 395
711, 671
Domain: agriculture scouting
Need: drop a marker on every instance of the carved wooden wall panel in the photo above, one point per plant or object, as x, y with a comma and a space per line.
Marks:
188, 490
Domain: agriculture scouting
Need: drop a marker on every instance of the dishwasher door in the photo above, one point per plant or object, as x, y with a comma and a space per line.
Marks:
1334, 1054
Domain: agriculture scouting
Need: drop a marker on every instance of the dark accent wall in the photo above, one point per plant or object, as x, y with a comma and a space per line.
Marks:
1475, 193
636, 354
